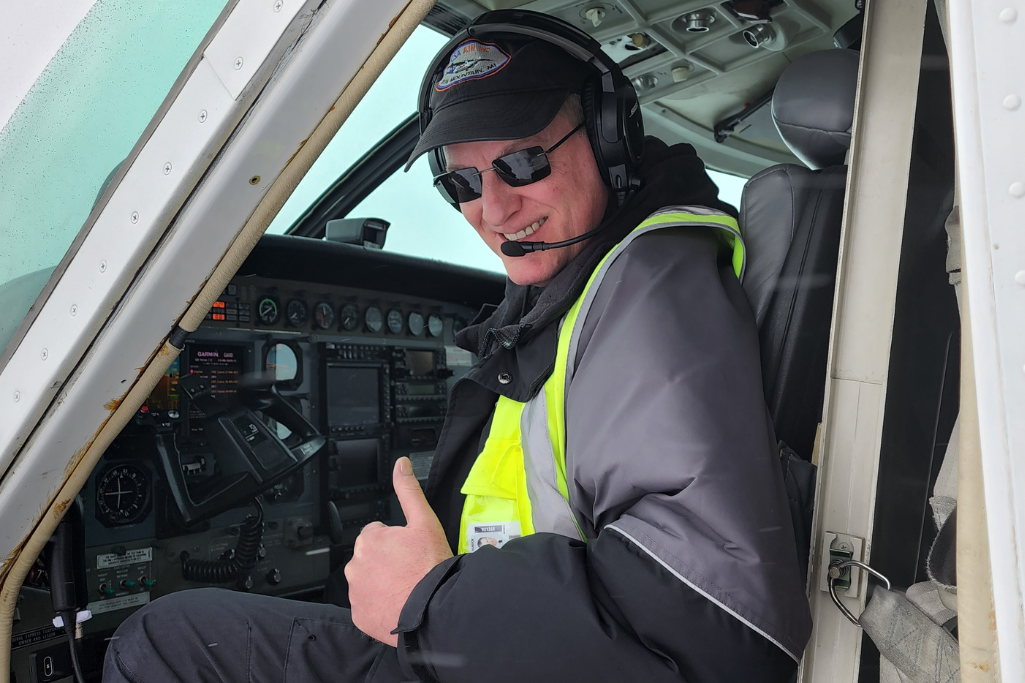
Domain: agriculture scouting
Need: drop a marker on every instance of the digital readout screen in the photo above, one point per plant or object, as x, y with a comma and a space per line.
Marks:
221, 366
420, 363
165, 394
353, 396
420, 389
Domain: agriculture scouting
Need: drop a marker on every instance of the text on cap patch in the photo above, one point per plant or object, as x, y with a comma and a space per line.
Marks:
472, 60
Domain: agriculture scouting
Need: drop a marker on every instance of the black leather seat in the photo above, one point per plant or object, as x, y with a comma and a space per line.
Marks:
790, 216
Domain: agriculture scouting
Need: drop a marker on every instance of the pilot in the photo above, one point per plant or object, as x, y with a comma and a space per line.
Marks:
612, 438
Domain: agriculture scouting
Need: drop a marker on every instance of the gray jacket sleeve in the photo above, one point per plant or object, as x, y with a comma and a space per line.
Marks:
669, 443
690, 572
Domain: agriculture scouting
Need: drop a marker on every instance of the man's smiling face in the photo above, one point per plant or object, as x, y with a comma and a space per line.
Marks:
567, 203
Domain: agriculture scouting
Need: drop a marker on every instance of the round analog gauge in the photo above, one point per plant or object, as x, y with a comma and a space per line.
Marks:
374, 319
395, 321
268, 310
298, 312
324, 315
416, 323
122, 495
350, 317
435, 325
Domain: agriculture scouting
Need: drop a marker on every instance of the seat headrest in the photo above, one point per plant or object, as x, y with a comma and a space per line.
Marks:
813, 106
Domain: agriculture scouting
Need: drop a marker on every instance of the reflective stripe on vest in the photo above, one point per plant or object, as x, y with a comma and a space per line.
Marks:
519, 483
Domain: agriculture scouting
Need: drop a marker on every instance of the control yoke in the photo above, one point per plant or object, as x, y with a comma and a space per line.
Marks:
251, 457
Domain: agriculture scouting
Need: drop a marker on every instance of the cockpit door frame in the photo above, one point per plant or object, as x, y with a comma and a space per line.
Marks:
987, 47
862, 325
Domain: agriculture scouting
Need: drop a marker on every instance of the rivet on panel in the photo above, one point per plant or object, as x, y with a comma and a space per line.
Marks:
167, 168
255, 180
1017, 189
1019, 277
1012, 102
202, 116
135, 217
1009, 15
17, 396
238, 63
103, 266
504, 378
74, 310
44, 354
278, 5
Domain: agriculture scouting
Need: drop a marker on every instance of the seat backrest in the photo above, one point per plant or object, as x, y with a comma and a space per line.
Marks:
790, 216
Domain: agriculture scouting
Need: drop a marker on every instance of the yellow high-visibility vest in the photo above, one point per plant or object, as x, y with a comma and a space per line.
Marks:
518, 483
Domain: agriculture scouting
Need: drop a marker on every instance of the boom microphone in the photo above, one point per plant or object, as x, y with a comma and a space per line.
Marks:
513, 248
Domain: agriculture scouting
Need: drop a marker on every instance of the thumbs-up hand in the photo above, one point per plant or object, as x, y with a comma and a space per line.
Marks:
388, 561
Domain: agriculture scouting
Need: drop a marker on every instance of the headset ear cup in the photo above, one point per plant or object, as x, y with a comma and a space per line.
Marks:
633, 128
588, 96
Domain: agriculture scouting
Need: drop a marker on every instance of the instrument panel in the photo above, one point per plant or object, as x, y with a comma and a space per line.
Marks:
260, 303
364, 350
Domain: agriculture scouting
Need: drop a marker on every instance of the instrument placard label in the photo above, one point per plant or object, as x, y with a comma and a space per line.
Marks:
136, 556
36, 635
113, 604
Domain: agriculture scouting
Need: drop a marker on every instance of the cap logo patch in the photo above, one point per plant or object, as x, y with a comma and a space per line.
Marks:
472, 60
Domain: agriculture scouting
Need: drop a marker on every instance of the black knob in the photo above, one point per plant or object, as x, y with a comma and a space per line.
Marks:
304, 532
274, 576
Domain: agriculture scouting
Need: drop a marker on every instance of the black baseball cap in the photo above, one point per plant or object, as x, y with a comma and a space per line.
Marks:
502, 89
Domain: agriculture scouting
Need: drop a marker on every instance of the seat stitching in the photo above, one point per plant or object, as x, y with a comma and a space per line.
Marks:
288, 650
800, 271
813, 128
126, 670
249, 652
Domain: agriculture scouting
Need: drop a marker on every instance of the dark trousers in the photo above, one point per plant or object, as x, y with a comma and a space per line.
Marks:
218, 636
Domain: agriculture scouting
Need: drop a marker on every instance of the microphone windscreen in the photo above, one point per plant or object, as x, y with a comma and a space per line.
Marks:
511, 248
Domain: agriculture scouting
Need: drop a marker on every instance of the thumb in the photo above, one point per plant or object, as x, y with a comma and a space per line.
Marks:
415, 507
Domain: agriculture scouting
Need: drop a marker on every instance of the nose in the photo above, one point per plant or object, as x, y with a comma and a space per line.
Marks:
499, 201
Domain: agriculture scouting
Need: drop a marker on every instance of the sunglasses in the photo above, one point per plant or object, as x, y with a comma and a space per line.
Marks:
516, 169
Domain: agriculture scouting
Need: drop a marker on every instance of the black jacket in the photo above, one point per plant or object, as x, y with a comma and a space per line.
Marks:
551, 608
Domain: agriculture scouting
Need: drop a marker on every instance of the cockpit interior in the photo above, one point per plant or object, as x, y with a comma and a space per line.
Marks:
269, 442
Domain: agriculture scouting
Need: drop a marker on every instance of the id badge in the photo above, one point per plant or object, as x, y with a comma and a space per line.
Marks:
496, 534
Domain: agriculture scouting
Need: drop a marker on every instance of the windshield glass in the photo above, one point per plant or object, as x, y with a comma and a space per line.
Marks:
422, 223
77, 122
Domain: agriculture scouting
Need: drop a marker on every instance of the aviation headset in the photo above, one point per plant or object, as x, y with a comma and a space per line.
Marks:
612, 114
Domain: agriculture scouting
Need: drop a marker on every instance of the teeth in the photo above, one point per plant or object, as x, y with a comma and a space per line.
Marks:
527, 231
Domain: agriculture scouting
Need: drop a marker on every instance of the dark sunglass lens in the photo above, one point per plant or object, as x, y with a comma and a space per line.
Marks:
460, 186
524, 167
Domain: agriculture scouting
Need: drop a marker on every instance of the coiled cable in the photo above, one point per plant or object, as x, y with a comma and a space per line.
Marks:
242, 560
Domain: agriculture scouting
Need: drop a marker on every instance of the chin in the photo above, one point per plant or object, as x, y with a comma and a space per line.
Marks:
527, 273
